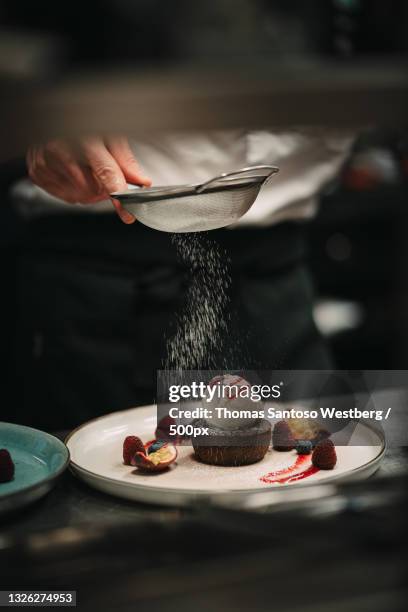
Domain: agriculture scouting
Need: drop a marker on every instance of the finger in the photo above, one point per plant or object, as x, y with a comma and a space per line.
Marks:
60, 160
35, 162
62, 185
54, 168
124, 214
103, 166
108, 173
46, 170
30, 158
55, 188
120, 149
93, 191
41, 175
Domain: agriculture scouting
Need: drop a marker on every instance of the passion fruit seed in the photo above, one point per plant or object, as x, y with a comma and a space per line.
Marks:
163, 455
155, 446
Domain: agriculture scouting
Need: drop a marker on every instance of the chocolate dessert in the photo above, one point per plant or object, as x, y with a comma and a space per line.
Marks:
232, 447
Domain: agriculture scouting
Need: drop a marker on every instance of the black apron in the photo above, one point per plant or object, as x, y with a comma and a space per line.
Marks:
96, 299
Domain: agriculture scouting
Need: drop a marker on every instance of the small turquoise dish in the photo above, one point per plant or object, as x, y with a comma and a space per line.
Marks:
39, 460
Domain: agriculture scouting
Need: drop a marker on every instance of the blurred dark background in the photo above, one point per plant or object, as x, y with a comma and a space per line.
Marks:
357, 243
151, 31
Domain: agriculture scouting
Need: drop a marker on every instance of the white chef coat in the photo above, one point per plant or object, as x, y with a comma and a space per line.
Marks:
307, 158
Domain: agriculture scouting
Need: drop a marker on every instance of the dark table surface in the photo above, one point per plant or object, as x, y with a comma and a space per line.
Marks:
107, 547
72, 503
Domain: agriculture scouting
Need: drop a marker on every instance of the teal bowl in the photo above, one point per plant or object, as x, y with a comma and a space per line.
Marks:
39, 460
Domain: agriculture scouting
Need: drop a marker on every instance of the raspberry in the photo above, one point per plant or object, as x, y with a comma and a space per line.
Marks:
304, 447
282, 437
6, 466
131, 445
322, 434
324, 455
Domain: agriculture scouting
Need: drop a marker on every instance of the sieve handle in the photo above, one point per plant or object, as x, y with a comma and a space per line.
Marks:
251, 172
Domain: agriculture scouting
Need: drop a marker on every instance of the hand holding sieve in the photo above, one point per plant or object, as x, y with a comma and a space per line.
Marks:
216, 203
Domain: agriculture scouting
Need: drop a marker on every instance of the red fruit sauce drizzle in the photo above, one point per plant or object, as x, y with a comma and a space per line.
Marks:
287, 474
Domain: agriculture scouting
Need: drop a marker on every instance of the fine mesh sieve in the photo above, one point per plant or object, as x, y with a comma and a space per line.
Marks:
197, 208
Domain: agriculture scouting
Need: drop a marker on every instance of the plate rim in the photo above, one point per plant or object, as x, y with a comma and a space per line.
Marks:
43, 481
205, 492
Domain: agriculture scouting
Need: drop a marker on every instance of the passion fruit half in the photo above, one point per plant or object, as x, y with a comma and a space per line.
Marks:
157, 461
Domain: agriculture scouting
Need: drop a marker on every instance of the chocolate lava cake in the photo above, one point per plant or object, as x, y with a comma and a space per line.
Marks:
232, 447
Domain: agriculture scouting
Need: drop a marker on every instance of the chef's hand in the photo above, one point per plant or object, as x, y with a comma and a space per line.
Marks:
86, 171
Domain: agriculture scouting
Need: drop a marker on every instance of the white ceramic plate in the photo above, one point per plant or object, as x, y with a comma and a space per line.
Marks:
96, 457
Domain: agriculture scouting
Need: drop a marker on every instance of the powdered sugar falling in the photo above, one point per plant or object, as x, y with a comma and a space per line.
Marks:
202, 323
